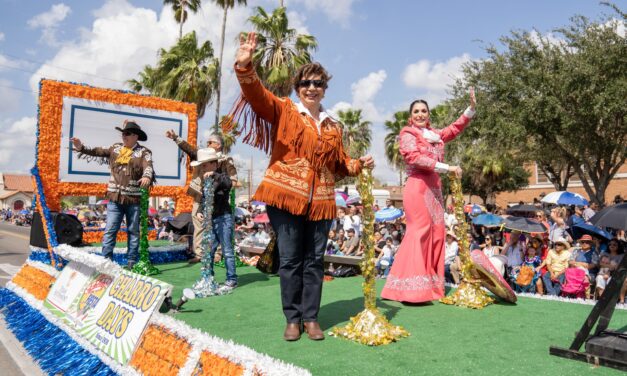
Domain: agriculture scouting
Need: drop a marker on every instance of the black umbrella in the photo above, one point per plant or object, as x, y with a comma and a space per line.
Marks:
524, 225
523, 209
614, 216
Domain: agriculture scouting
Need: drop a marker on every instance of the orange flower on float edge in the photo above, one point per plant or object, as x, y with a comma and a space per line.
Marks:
35, 281
162, 352
50, 118
212, 364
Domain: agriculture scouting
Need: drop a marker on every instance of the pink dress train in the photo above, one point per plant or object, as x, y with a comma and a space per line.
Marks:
417, 274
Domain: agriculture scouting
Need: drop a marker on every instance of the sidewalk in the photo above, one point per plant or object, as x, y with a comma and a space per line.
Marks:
14, 360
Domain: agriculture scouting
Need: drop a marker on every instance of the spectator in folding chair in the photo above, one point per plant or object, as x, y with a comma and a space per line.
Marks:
576, 283
585, 258
556, 263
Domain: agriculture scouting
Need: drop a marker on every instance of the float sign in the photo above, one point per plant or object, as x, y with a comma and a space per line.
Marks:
116, 323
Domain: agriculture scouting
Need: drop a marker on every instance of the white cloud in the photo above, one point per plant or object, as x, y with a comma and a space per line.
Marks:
364, 92
552, 39
297, 22
339, 11
18, 145
1, 36
10, 98
434, 78
49, 22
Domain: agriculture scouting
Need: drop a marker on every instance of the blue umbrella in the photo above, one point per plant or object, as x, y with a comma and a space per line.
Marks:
388, 214
581, 228
339, 200
24, 211
476, 210
353, 199
565, 198
487, 220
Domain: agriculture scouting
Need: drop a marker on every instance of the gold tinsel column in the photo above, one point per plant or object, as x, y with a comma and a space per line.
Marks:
370, 326
469, 293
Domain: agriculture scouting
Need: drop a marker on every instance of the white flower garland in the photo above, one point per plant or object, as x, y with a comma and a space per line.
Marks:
123, 250
248, 358
101, 264
554, 298
43, 267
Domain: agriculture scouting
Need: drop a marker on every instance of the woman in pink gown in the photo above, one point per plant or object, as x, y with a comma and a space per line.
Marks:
417, 274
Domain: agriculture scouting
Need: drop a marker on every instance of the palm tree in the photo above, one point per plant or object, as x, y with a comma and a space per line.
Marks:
187, 72
356, 133
392, 152
280, 50
229, 138
180, 8
225, 5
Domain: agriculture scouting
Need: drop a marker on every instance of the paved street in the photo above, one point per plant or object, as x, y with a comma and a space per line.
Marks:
14, 251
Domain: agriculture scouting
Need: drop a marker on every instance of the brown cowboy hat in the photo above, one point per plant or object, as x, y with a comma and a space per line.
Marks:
133, 127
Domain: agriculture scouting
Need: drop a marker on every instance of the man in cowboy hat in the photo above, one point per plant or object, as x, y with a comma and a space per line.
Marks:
223, 223
205, 165
585, 257
131, 169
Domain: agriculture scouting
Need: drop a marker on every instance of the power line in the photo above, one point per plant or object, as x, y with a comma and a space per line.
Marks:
18, 89
54, 66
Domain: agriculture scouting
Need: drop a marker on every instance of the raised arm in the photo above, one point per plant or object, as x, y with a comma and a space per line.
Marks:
450, 132
188, 149
94, 152
263, 102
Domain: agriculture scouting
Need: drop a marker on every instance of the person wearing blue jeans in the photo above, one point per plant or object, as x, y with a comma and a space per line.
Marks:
206, 165
222, 231
115, 213
553, 286
131, 169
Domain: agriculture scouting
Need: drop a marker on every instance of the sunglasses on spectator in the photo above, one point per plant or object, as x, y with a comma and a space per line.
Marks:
315, 83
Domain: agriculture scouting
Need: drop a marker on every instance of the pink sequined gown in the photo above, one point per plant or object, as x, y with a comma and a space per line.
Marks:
417, 274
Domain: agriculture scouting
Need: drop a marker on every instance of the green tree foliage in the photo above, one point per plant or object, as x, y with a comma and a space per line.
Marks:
392, 153
181, 8
280, 50
186, 72
559, 103
356, 133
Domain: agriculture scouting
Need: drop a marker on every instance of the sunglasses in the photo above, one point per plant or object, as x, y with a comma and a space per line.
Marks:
127, 133
316, 83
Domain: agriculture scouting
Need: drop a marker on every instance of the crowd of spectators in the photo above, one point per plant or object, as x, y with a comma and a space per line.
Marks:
22, 217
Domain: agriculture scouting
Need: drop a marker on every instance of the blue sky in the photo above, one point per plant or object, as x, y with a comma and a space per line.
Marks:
382, 54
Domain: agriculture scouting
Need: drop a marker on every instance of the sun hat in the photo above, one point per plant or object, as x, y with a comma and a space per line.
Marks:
205, 155
586, 238
563, 241
452, 234
133, 127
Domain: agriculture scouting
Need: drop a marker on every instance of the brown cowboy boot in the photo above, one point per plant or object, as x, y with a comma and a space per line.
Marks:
292, 332
313, 330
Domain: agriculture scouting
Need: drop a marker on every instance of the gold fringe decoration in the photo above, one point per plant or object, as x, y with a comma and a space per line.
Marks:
469, 293
370, 327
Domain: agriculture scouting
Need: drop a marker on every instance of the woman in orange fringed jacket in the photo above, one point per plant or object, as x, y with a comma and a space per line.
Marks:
306, 158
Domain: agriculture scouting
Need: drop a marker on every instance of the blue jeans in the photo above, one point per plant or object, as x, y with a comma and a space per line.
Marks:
553, 288
386, 271
222, 232
115, 213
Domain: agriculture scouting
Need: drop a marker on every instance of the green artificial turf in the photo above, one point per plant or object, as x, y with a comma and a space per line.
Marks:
501, 339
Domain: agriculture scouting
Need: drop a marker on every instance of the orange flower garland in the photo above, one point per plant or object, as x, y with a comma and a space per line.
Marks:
211, 364
96, 236
160, 352
33, 280
50, 120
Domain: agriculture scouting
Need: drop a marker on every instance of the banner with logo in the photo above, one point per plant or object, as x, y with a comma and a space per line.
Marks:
116, 323
77, 291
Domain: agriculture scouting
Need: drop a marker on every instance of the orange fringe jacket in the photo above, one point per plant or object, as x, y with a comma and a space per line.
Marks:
304, 163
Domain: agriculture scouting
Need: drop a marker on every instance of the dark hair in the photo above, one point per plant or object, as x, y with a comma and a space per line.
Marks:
308, 70
351, 230
418, 101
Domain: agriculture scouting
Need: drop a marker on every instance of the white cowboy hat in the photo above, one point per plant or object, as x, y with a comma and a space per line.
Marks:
564, 242
205, 155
